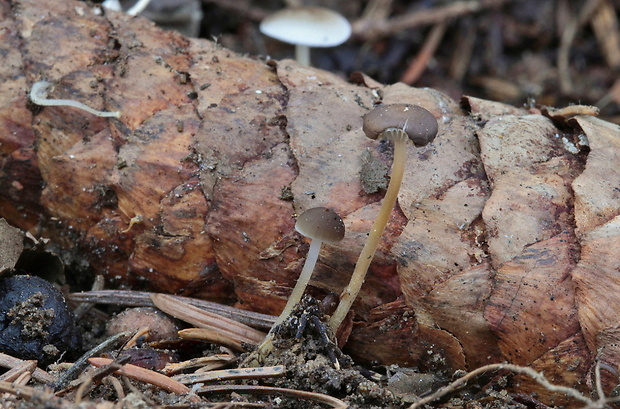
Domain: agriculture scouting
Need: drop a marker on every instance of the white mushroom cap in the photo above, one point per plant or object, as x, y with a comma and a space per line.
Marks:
308, 26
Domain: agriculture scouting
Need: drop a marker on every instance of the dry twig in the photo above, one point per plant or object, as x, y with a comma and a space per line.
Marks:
212, 336
22, 367
230, 374
82, 309
266, 390
146, 375
82, 362
537, 376
372, 29
8, 361
142, 299
607, 30
419, 64
206, 363
136, 391
23, 378
87, 381
566, 43
208, 320
377, 10
116, 384
24, 391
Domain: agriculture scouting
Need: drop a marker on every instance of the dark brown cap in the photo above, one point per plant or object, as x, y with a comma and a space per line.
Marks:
320, 223
419, 124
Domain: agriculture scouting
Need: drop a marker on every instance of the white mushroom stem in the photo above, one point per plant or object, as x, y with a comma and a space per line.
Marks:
38, 95
319, 224
302, 281
348, 296
266, 346
302, 54
138, 7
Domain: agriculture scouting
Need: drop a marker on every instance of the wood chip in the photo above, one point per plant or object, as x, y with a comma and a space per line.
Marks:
230, 374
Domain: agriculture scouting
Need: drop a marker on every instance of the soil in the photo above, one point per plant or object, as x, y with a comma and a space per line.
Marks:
313, 363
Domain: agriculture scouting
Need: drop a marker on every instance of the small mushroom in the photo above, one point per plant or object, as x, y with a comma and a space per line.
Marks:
307, 27
320, 224
400, 123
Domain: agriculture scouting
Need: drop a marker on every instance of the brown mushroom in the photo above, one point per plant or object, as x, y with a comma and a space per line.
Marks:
398, 122
417, 123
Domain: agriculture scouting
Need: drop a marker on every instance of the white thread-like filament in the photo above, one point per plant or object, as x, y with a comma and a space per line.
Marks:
38, 95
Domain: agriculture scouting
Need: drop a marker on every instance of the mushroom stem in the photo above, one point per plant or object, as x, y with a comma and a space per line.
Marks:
298, 291
302, 281
302, 54
138, 7
348, 296
319, 224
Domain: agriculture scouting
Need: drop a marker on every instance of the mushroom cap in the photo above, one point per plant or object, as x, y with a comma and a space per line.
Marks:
419, 124
320, 223
309, 26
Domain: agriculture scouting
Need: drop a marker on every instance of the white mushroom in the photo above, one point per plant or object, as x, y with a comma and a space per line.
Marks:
320, 225
307, 27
